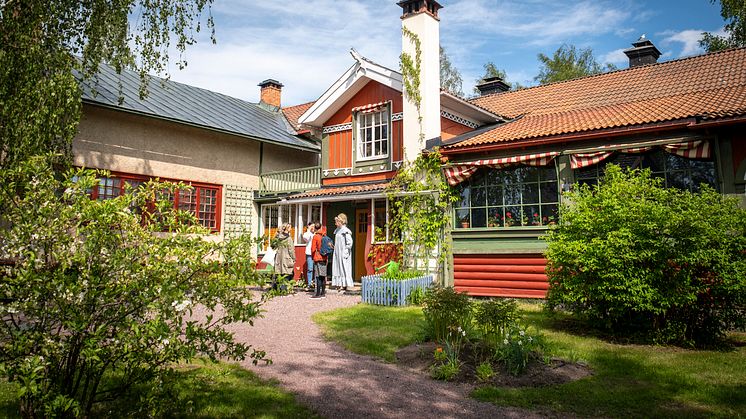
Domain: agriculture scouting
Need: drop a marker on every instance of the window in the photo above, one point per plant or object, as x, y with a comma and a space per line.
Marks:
676, 171
514, 197
274, 215
202, 201
382, 215
306, 214
373, 135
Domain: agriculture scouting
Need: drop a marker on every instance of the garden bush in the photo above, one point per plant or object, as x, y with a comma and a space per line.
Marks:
101, 295
637, 258
444, 310
494, 318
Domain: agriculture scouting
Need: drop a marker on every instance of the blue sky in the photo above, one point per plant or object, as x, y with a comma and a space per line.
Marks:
305, 43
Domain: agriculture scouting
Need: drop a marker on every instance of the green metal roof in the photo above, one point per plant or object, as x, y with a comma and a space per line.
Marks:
191, 105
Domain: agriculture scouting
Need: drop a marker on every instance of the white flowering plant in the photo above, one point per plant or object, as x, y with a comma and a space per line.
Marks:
100, 297
518, 348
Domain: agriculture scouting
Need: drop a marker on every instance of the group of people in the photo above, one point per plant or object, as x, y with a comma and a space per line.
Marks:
319, 248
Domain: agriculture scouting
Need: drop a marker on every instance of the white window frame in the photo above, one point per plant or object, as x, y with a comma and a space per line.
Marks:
373, 221
300, 223
385, 121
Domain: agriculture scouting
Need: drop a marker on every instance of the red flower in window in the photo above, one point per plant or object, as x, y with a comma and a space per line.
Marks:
508, 215
536, 214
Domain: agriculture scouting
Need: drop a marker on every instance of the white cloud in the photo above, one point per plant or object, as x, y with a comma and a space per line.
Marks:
302, 43
689, 40
616, 57
540, 22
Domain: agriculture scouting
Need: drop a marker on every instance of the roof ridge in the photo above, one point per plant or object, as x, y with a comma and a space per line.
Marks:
168, 80
299, 105
677, 60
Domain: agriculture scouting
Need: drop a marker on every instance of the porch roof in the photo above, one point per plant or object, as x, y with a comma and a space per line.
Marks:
337, 193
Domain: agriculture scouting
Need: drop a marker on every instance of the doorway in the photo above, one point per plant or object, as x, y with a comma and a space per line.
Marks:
362, 220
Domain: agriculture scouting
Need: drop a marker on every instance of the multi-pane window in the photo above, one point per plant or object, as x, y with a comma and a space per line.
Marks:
273, 216
200, 200
676, 171
373, 135
382, 217
306, 214
513, 197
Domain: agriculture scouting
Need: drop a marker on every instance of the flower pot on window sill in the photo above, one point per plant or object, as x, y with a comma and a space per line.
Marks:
464, 224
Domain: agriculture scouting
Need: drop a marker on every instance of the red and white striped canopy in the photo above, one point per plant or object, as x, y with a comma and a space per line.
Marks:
697, 149
462, 171
373, 107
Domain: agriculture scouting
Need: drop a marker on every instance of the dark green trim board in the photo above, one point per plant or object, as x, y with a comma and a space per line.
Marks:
724, 164
503, 241
325, 146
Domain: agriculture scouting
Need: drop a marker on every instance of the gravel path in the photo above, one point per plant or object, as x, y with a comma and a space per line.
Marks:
339, 384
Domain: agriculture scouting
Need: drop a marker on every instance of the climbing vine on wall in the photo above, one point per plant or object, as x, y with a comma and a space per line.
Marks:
421, 200
410, 71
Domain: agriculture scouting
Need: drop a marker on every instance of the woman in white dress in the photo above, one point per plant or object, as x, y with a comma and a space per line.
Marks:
342, 260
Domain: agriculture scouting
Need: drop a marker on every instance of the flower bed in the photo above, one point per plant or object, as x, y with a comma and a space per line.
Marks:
393, 292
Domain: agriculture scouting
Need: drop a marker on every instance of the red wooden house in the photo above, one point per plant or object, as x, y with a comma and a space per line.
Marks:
685, 120
367, 131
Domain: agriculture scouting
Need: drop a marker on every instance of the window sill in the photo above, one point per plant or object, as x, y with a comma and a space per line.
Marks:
373, 158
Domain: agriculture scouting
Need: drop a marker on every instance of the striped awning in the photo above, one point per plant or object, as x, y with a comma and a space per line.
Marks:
462, 171
373, 107
697, 149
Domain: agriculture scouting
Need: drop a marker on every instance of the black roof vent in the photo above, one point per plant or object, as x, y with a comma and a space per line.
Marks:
492, 85
643, 52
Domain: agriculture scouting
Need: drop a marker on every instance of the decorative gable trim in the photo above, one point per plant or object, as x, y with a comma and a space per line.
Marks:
345, 88
461, 120
337, 128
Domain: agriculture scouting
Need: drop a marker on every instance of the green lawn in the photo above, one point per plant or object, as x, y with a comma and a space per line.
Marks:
373, 330
203, 391
628, 380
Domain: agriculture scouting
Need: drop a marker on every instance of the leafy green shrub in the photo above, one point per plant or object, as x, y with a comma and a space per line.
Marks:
484, 371
446, 371
416, 296
394, 271
102, 294
445, 309
517, 349
635, 257
494, 318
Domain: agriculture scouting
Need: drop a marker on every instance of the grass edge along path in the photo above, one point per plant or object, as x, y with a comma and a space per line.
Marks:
628, 380
372, 330
201, 390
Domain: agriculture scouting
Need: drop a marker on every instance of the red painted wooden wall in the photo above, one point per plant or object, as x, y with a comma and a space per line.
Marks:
518, 276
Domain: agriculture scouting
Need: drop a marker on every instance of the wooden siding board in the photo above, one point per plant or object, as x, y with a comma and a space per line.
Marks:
518, 276
529, 285
526, 269
501, 292
491, 260
496, 276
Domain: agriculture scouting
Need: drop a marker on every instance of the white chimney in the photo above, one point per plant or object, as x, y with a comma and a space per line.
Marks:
420, 17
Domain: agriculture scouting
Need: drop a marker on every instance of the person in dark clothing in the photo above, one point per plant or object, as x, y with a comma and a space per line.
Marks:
319, 261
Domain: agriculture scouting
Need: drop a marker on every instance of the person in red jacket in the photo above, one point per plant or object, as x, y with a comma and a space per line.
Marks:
319, 261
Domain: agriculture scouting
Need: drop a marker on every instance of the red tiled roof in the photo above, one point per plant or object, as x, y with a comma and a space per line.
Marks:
292, 113
707, 86
342, 190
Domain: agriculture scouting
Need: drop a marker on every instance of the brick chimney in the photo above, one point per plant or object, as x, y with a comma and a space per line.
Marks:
643, 52
270, 94
421, 18
492, 85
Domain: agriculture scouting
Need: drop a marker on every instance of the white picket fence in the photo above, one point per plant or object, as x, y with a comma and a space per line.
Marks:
390, 292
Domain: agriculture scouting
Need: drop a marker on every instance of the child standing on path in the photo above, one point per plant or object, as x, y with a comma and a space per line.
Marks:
308, 237
319, 259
